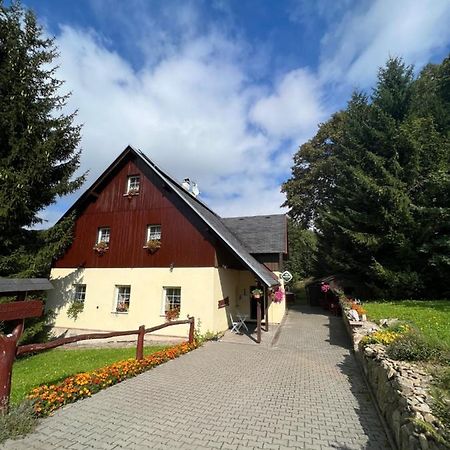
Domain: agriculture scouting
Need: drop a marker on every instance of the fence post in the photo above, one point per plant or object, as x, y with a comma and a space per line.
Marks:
140, 343
191, 330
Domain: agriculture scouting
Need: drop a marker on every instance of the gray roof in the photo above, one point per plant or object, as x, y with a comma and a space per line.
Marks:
217, 225
260, 234
24, 285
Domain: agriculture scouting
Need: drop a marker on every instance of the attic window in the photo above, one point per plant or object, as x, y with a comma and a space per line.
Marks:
103, 235
133, 183
153, 232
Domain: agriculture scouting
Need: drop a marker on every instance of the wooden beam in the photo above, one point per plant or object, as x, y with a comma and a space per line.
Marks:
21, 310
258, 320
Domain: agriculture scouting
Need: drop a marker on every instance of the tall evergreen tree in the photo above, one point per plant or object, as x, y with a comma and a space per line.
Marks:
385, 214
38, 144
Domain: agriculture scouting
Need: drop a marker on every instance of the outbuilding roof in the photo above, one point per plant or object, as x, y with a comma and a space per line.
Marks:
8, 285
260, 234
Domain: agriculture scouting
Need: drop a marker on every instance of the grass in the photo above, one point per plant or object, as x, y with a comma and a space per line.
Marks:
431, 317
54, 365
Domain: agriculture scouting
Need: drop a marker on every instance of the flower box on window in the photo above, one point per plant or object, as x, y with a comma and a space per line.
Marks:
101, 247
131, 193
152, 245
122, 307
172, 314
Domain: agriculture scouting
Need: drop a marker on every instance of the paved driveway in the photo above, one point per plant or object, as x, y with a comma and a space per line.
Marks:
303, 392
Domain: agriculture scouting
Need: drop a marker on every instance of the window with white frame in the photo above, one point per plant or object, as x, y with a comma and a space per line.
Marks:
133, 184
79, 294
123, 294
172, 299
103, 235
153, 233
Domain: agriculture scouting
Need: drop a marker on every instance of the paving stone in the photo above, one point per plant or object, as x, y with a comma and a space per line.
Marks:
305, 391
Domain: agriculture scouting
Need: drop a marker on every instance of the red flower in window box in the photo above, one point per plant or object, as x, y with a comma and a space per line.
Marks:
101, 247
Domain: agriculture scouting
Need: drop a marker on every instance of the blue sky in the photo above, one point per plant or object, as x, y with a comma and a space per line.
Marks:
224, 92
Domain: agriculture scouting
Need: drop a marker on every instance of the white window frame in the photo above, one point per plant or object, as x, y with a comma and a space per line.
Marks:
164, 298
79, 292
153, 233
116, 298
133, 183
100, 235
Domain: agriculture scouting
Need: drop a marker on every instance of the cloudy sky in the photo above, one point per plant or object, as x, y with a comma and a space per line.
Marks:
224, 92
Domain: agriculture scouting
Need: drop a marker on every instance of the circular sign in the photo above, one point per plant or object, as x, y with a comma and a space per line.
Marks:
286, 276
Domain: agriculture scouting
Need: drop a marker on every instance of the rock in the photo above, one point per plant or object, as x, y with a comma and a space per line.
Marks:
423, 442
423, 408
369, 352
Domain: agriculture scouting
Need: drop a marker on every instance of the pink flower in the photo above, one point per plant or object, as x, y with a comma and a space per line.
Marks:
325, 287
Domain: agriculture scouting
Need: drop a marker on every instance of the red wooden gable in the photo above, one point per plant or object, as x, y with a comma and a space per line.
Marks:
185, 240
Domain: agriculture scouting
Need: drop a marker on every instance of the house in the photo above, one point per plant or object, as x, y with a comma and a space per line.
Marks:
145, 245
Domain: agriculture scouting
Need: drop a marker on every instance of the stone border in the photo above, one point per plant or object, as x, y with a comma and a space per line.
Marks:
399, 389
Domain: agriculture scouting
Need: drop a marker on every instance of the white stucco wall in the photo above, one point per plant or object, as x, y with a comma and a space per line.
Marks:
201, 290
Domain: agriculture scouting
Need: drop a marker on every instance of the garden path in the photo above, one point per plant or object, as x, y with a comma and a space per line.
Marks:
304, 391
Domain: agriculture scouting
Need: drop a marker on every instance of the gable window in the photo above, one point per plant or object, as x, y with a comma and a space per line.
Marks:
172, 299
79, 293
153, 233
123, 294
133, 184
103, 235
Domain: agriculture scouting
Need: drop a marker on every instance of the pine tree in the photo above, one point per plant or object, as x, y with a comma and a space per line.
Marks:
377, 188
38, 144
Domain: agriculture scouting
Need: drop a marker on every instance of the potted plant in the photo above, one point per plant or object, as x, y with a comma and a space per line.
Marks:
153, 245
131, 193
101, 247
75, 308
122, 307
256, 293
172, 314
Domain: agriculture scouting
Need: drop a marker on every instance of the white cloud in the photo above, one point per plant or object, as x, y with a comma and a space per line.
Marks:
189, 113
293, 109
357, 45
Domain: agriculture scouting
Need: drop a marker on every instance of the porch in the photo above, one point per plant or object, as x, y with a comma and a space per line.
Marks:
250, 336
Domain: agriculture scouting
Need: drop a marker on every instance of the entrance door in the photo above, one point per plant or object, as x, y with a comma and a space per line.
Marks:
253, 304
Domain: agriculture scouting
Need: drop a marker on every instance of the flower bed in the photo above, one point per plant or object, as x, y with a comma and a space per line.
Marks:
47, 399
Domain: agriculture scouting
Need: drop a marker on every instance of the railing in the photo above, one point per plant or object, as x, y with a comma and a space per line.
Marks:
141, 332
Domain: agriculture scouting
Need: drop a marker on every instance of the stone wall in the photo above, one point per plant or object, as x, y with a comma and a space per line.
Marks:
401, 392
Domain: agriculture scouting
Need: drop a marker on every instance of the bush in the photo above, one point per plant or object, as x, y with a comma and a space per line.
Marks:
20, 420
414, 347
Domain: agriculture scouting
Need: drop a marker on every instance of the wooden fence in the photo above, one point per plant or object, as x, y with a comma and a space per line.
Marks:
141, 332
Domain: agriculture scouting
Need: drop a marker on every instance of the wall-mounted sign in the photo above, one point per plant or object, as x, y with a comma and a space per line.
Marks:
286, 276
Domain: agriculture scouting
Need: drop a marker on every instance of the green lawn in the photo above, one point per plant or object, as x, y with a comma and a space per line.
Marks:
54, 365
432, 317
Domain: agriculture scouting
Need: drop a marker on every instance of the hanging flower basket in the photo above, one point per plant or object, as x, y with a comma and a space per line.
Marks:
325, 287
153, 245
257, 293
101, 247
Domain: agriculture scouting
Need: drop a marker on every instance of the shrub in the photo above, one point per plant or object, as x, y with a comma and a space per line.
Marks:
413, 346
20, 420
384, 337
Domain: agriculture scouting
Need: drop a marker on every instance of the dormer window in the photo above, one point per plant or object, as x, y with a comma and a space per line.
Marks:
133, 183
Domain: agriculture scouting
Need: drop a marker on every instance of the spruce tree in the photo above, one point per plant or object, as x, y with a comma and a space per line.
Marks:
38, 144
